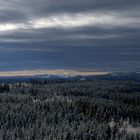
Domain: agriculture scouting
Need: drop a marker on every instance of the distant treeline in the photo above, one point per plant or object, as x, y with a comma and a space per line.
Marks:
70, 110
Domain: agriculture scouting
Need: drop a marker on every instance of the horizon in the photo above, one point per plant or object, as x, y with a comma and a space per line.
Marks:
61, 72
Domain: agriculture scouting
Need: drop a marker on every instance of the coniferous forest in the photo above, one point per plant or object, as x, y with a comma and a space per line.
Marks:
70, 110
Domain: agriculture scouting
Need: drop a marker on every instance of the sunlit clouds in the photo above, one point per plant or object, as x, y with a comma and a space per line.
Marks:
99, 20
61, 72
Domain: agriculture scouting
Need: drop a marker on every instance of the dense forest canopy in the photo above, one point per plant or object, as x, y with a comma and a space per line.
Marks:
70, 110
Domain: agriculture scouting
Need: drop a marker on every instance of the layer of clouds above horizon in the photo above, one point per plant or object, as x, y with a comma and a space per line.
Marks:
100, 35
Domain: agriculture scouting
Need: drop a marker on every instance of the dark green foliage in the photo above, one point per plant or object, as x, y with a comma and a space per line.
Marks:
70, 110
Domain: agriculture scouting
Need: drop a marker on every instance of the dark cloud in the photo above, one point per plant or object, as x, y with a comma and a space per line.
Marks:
88, 34
8, 15
15, 9
59, 6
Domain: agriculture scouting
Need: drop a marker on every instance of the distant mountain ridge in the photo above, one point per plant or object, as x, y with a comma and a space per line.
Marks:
132, 76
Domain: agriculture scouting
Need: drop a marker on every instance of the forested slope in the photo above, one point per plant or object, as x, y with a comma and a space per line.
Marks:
70, 110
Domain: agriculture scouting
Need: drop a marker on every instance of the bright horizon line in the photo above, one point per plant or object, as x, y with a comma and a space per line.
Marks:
61, 72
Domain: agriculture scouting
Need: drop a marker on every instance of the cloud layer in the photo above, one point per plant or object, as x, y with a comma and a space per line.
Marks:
88, 34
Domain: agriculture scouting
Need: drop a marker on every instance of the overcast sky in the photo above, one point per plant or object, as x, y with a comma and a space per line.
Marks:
100, 35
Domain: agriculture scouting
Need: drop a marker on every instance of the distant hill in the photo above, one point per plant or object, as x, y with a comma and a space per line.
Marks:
132, 76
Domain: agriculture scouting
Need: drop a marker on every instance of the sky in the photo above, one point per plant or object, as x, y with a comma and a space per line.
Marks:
96, 35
